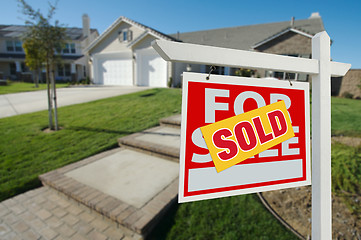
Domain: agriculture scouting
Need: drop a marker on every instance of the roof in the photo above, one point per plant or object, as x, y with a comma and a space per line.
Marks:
148, 30
17, 31
246, 37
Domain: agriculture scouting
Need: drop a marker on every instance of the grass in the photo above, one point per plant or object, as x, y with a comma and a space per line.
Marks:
346, 116
26, 151
239, 217
16, 87
346, 175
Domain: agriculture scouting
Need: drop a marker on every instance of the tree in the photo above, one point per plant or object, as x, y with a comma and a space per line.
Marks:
45, 39
35, 56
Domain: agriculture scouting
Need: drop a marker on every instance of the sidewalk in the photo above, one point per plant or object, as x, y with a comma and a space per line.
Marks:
20, 103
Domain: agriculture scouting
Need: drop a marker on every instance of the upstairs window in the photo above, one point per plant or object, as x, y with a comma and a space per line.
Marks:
69, 48
14, 46
125, 35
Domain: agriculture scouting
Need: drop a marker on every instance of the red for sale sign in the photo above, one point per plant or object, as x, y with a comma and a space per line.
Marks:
205, 102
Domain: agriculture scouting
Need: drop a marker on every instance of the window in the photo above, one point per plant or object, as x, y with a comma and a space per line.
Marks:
18, 47
9, 46
292, 76
64, 70
14, 46
125, 35
69, 48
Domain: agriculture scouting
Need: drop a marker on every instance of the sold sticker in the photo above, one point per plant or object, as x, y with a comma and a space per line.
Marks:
235, 139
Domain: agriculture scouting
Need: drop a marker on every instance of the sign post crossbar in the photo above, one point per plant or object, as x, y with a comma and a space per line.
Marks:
321, 68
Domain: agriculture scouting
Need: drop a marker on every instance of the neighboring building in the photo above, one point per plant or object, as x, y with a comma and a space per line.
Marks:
350, 86
123, 55
291, 38
75, 64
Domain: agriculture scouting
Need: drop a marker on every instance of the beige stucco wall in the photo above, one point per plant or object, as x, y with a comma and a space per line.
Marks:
144, 43
350, 83
112, 44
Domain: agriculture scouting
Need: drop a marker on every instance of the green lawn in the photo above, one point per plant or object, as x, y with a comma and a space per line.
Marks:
16, 87
346, 117
239, 217
346, 175
90, 128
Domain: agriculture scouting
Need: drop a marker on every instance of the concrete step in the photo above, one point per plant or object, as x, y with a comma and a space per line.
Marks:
162, 141
131, 188
172, 121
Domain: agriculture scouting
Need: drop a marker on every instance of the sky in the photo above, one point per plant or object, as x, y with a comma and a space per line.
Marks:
342, 19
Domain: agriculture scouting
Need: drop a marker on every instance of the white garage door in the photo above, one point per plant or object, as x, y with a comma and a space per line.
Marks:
115, 69
151, 69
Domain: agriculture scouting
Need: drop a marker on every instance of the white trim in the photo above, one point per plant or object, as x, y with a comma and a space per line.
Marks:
280, 34
141, 37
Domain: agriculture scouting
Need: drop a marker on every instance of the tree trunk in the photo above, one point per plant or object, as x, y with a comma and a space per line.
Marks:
36, 79
50, 107
54, 98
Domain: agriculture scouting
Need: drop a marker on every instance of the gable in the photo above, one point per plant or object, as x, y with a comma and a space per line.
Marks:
111, 42
289, 43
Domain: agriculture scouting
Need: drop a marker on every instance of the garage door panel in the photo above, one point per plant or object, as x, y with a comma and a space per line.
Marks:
115, 69
117, 72
151, 69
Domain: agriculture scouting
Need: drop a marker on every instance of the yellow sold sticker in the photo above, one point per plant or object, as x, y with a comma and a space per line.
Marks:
238, 138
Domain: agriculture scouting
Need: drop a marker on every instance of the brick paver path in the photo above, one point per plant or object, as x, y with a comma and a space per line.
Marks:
44, 213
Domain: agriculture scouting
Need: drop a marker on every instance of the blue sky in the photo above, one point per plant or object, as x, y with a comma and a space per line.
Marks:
342, 19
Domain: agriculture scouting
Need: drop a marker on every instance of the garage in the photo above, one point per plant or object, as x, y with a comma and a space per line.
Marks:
114, 69
151, 68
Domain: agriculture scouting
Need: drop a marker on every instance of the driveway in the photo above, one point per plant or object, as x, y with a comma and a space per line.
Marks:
20, 103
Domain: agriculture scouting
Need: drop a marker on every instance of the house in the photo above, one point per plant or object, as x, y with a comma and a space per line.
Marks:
290, 38
123, 55
74, 66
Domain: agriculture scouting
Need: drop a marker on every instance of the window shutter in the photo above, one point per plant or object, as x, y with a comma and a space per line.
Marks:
130, 35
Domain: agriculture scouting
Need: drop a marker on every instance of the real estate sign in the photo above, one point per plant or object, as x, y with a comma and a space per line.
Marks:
257, 130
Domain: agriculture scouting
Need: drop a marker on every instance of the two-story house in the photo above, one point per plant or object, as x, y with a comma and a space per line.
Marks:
74, 64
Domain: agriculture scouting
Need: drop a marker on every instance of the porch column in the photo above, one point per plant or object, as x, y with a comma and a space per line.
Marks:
73, 72
18, 70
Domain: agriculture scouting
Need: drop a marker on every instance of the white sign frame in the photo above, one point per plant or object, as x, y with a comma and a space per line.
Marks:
211, 177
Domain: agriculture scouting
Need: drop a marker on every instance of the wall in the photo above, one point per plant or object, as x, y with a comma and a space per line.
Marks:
5, 69
350, 83
289, 43
111, 43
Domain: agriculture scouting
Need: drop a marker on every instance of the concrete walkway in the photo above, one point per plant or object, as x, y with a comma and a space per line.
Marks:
20, 103
119, 194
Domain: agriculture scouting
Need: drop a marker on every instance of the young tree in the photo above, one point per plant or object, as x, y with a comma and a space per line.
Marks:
35, 56
49, 39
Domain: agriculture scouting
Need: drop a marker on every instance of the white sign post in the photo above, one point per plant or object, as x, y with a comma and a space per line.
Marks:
321, 68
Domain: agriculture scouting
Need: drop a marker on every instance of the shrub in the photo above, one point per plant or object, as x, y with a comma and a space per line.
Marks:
347, 95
